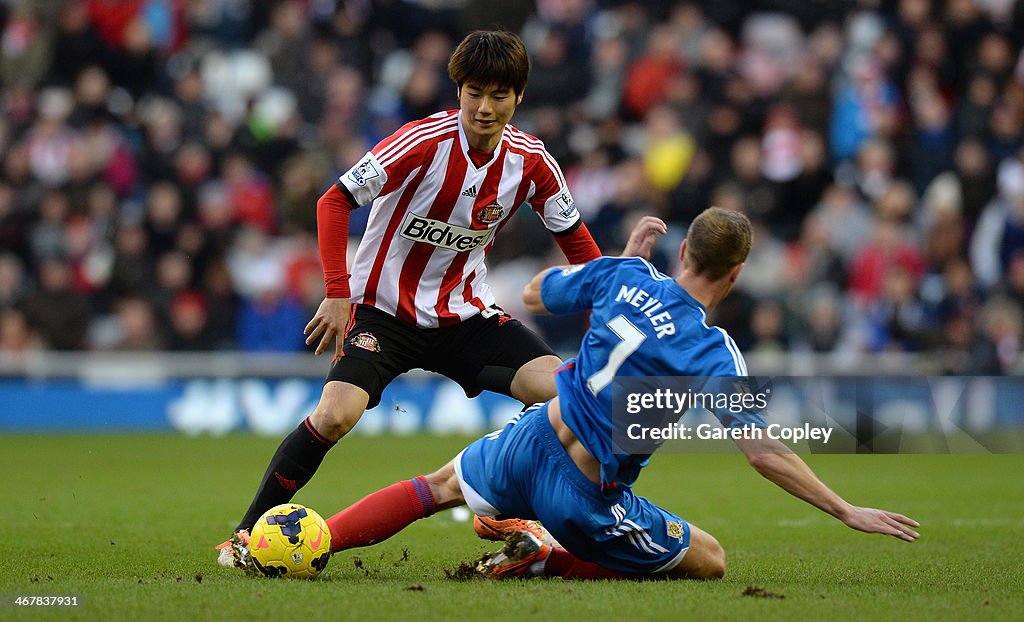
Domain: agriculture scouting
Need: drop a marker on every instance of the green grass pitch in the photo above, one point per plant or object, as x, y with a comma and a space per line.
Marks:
129, 523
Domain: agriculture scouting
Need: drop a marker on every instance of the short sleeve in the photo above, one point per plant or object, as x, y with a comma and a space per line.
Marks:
575, 288
366, 179
551, 199
391, 161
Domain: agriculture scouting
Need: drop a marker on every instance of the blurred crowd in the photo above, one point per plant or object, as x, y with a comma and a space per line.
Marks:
160, 160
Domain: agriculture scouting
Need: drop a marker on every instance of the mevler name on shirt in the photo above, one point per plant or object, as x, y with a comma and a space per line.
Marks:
651, 307
709, 432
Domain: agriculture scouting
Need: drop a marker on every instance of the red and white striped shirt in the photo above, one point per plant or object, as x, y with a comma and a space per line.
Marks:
435, 215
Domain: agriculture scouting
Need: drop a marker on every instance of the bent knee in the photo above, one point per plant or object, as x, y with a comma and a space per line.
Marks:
339, 410
715, 570
334, 421
714, 565
704, 560
706, 570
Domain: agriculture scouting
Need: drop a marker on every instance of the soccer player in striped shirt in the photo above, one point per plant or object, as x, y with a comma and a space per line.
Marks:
441, 189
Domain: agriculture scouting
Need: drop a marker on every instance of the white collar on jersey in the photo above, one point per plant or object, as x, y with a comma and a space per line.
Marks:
464, 143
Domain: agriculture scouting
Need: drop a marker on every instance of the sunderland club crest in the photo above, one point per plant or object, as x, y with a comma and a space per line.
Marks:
490, 214
365, 341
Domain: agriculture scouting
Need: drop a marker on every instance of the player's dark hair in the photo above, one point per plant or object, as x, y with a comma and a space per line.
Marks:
490, 58
718, 240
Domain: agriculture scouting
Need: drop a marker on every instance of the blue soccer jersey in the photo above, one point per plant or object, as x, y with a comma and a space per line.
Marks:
642, 324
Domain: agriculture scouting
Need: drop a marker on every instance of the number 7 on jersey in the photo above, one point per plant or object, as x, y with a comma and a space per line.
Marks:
631, 337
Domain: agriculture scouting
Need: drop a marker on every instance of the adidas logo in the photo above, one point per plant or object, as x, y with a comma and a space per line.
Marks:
470, 192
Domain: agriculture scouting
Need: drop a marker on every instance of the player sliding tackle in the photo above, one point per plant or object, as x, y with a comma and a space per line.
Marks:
555, 462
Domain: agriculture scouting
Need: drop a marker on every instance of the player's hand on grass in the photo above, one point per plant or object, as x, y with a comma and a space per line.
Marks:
643, 236
870, 520
329, 323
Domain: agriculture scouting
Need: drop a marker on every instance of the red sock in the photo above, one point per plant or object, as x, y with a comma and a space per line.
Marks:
562, 563
381, 515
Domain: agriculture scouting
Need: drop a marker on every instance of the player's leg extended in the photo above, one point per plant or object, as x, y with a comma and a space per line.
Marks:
382, 514
301, 452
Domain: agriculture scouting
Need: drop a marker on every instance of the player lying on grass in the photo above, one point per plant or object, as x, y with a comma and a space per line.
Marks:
555, 461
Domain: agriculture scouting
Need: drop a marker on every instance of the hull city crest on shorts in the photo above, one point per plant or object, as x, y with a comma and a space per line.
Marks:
365, 341
675, 530
490, 214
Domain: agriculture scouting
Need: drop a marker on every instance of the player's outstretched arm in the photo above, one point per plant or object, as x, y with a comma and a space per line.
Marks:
329, 323
777, 463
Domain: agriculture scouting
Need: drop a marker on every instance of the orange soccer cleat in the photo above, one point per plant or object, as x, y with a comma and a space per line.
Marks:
491, 528
522, 556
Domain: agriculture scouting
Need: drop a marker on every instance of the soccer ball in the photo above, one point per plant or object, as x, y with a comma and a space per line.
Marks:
290, 541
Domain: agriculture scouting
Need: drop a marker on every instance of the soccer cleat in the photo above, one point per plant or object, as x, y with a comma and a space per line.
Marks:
490, 528
522, 556
234, 553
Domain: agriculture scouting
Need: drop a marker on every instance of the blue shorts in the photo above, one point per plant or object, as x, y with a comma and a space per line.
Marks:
522, 470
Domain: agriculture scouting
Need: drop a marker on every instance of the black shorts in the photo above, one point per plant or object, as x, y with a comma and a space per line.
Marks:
481, 353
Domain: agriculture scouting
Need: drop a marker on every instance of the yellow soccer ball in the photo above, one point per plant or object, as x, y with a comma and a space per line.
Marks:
291, 541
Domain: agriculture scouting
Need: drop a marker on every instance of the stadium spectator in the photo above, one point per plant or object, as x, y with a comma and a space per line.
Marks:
648, 77
12, 280
265, 321
223, 301
975, 171
824, 331
897, 320
27, 48
58, 313
556, 77
18, 339
133, 269
888, 248
998, 349
865, 108
189, 323
134, 327
768, 330
998, 238
77, 43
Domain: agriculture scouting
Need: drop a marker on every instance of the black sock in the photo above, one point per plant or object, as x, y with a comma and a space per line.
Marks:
297, 459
